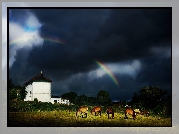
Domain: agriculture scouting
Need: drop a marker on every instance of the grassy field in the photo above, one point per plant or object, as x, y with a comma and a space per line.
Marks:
68, 119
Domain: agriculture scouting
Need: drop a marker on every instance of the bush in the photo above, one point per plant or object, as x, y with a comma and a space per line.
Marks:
29, 106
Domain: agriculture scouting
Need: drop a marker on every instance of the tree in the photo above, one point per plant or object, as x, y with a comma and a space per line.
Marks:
23, 93
11, 85
12, 94
16, 92
12, 90
103, 98
82, 100
92, 101
152, 96
149, 97
71, 96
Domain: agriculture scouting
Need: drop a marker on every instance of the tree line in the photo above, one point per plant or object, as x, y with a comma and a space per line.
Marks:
151, 98
102, 98
16, 92
19, 93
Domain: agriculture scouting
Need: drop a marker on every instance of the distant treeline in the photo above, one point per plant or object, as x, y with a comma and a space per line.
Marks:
149, 98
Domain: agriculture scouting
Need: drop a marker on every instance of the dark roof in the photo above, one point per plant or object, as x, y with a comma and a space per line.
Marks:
53, 96
38, 78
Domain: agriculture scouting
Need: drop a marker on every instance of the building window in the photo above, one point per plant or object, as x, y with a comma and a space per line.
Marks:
30, 92
55, 101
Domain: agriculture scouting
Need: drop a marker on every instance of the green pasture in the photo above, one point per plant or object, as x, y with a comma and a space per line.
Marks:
66, 118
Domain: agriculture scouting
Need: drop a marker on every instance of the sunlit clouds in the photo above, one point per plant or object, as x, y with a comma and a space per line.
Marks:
128, 68
23, 36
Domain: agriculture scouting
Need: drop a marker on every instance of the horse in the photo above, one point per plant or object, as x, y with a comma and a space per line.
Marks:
145, 112
130, 111
110, 111
137, 111
96, 109
126, 106
82, 110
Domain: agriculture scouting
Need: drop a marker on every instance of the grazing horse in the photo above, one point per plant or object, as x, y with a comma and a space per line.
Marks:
110, 111
137, 111
126, 106
96, 109
130, 111
145, 112
82, 110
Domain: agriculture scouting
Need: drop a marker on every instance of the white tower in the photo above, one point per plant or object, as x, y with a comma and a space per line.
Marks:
38, 87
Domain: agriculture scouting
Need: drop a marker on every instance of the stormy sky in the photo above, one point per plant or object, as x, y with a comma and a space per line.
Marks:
119, 50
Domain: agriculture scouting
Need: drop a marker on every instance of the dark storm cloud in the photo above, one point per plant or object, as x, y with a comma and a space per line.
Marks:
107, 35
99, 34
142, 28
81, 85
157, 72
19, 68
78, 28
71, 23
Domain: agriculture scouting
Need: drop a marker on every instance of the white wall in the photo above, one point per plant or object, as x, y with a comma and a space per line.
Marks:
64, 101
60, 100
42, 91
29, 90
57, 99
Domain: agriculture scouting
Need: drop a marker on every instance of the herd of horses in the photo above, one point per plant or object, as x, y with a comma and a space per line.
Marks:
97, 110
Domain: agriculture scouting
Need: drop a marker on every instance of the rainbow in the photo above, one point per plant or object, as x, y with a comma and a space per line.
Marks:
55, 40
106, 69
46, 39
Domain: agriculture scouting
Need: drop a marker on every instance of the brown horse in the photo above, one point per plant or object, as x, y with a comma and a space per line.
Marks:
145, 112
96, 109
82, 110
130, 111
110, 111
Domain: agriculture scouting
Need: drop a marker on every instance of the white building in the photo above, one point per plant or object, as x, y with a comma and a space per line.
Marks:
39, 87
57, 99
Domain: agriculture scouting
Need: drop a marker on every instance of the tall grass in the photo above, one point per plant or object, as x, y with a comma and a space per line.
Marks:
65, 118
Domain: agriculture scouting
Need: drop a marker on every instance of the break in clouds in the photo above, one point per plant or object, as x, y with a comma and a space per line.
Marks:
134, 44
23, 35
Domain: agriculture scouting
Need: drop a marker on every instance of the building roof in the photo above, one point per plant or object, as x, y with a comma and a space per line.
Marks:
53, 96
38, 78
